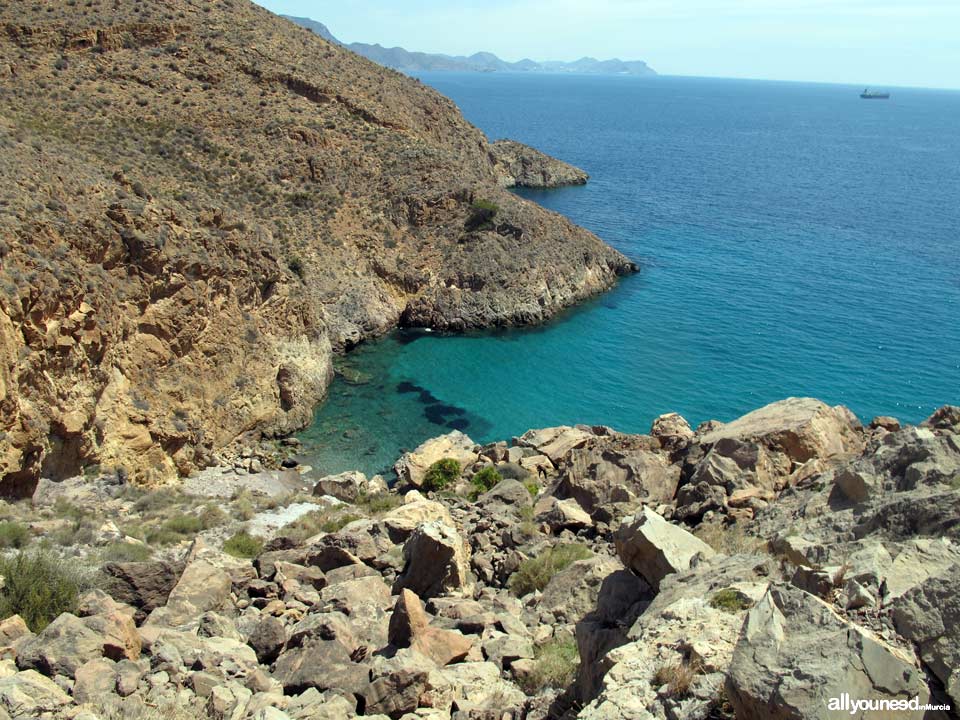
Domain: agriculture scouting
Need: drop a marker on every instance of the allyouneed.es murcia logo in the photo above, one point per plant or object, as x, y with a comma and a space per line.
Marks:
853, 706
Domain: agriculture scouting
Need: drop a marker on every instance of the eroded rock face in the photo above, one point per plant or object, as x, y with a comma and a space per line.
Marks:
795, 653
151, 315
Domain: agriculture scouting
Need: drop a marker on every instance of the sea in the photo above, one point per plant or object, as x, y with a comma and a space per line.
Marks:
793, 240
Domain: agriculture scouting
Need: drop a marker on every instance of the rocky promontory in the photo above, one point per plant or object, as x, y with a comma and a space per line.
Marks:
522, 166
767, 567
201, 202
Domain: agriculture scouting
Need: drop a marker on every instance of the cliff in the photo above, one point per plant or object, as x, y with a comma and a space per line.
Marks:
201, 201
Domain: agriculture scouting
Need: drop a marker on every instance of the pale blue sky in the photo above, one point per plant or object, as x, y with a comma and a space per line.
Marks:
876, 42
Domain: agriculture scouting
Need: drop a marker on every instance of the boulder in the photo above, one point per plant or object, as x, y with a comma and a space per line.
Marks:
562, 515
143, 585
61, 648
13, 631
120, 639
800, 428
416, 510
619, 469
28, 694
410, 627
267, 639
473, 686
929, 617
202, 586
320, 664
857, 484
654, 548
556, 442
94, 679
349, 486
436, 560
672, 430
795, 654
412, 466
573, 592
397, 683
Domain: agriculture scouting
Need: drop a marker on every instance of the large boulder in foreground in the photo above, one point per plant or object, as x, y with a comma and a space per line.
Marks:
799, 428
436, 560
795, 654
412, 466
929, 617
654, 548
410, 627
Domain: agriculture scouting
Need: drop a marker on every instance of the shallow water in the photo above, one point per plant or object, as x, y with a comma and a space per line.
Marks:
794, 240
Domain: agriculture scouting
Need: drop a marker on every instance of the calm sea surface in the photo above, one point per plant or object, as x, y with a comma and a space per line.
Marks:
793, 239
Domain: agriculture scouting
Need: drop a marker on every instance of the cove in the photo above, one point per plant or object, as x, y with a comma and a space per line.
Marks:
793, 240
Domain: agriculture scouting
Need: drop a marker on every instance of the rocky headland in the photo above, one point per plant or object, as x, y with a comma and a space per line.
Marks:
202, 202
754, 569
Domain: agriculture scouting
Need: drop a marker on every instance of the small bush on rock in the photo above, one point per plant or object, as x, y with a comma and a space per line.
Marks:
13, 535
676, 678
485, 479
536, 572
555, 666
730, 601
243, 545
441, 474
38, 587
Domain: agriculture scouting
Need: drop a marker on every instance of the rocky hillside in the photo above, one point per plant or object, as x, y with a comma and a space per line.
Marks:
200, 201
751, 570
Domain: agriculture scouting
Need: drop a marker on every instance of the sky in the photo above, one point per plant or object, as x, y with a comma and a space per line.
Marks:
866, 42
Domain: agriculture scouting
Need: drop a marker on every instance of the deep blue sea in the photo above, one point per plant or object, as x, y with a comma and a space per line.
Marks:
793, 240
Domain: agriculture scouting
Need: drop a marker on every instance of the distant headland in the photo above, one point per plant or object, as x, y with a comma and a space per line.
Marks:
408, 61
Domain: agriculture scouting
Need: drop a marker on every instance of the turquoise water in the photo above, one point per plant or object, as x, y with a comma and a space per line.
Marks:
793, 240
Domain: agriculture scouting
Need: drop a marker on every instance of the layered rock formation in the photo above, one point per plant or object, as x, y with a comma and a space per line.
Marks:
200, 201
627, 607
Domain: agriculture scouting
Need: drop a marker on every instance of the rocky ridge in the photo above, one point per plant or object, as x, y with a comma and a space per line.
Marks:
751, 570
201, 202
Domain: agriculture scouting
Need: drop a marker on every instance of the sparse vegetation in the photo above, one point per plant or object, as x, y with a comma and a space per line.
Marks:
482, 214
13, 534
556, 663
675, 679
441, 474
483, 480
534, 573
379, 504
243, 545
38, 586
728, 539
125, 552
730, 600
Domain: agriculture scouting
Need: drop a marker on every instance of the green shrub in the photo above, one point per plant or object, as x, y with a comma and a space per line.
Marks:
441, 474
184, 525
125, 552
482, 214
486, 479
13, 534
380, 503
38, 587
243, 545
555, 666
730, 601
534, 573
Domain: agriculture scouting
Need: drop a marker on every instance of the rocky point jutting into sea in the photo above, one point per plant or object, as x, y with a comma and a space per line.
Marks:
754, 569
202, 201
201, 204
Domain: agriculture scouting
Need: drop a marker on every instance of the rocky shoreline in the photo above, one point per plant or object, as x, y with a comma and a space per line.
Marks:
753, 569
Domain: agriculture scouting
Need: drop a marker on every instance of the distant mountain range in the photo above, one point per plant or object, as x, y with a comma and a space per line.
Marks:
408, 61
